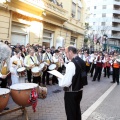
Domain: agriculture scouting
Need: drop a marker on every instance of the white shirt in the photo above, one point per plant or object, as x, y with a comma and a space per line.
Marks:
15, 58
66, 81
47, 56
0, 75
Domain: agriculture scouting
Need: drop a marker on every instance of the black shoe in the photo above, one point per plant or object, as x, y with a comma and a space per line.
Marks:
112, 82
117, 83
6, 108
48, 84
53, 83
93, 80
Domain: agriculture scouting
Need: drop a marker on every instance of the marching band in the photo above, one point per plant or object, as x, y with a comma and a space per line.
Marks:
37, 60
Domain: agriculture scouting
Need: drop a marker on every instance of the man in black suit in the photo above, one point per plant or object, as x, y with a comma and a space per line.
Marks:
72, 82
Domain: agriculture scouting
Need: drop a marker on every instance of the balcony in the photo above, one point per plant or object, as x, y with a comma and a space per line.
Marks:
53, 10
116, 2
115, 28
117, 11
116, 19
115, 36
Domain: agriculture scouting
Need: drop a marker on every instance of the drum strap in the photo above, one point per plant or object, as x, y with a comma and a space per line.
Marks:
32, 59
48, 57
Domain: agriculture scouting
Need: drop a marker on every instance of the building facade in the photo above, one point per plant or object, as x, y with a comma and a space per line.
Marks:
104, 18
44, 22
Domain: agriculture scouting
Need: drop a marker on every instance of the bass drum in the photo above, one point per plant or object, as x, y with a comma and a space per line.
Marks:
4, 97
21, 93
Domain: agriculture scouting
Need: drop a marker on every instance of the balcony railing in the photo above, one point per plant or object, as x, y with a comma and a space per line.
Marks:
115, 28
117, 0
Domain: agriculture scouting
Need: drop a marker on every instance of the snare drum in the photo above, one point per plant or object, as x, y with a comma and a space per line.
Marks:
52, 67
42, 93
36, 71
4, 97
21, 71
43, 67
21, 93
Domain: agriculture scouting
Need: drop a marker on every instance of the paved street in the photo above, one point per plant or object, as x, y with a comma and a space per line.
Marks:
52, 108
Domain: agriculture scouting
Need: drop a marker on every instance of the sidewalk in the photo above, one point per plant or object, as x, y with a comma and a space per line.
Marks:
109, 109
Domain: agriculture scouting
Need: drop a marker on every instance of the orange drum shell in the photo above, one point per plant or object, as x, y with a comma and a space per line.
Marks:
21, 97
3, 101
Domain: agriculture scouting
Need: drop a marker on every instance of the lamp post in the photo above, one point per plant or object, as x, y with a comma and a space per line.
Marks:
105, 44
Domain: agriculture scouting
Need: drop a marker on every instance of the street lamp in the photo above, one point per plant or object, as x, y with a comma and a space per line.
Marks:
105, 44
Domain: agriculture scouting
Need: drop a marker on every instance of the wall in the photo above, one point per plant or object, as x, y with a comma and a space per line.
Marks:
5, 23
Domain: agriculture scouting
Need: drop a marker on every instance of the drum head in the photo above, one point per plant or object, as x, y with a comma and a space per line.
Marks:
21, 69
52, 67
41, 65
23, 86
4, 91
35, 69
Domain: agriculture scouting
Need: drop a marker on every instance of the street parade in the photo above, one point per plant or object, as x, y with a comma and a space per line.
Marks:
59, 60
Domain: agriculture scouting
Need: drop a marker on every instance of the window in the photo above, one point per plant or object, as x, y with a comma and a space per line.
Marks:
103, 14
95, 7
103, 23
104, 7
78, 13
73, 41
73, 9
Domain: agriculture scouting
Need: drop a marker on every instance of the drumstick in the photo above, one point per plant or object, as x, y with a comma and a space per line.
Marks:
8, 74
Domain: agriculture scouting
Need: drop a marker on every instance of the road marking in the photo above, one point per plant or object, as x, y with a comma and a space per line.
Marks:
89, 111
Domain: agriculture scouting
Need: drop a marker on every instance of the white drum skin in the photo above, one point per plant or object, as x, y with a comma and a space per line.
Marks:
21, 93
52, 67
4, 97
36, 71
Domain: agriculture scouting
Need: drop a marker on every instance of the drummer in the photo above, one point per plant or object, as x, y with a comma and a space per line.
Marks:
16, 62
5, 53
30, 62
56, 58
4, 70
47, 58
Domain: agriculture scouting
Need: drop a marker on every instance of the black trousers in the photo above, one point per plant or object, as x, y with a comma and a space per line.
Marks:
87, 69
116, 75
97, 74
107, 71
35, 79
72, 105
92, 69
45, 75
3, 83
29, 74
54, 78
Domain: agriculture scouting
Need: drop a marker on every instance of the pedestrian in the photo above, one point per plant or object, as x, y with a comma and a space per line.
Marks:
72, 84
